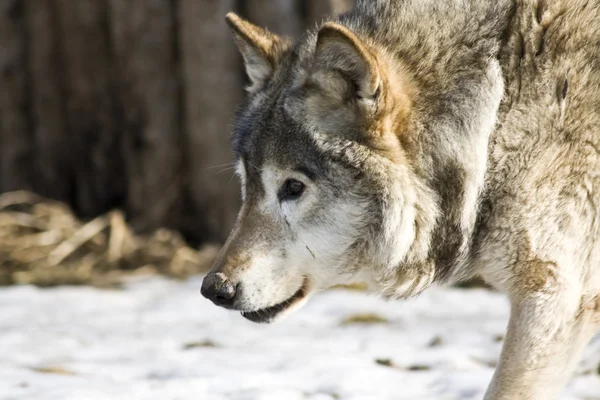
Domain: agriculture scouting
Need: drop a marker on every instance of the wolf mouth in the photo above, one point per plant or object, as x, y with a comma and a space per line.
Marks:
266, 315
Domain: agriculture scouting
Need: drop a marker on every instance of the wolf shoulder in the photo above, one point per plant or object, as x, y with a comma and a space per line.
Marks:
544, 165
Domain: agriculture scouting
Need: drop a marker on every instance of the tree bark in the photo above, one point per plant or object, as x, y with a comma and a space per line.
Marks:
317, 10
279, 16
341, 6
212, 88
91, 123
15, 132
143, 34
51, 146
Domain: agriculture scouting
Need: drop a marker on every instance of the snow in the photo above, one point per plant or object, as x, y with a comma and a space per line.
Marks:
159, 339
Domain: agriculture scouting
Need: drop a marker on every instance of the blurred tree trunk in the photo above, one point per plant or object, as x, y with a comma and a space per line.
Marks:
317, 10
15, 134
143, 36
212, 90
279, 16
92, 120
341, 6
52, 148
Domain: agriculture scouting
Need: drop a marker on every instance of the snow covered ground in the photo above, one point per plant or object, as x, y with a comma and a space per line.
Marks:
159, 339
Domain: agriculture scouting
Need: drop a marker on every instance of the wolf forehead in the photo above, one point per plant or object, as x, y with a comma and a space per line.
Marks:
268, 134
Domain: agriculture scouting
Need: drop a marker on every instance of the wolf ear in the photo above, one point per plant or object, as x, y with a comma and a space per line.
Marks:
339, 49
260, 49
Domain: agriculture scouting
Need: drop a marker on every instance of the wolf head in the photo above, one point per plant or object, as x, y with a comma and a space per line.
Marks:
326, 151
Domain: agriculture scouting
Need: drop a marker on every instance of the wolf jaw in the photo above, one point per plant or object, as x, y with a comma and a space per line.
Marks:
279, 310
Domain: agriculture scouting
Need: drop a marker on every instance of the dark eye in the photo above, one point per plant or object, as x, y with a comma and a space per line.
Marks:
291, 190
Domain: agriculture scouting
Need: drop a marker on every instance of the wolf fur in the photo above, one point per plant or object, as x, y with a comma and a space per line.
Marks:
435, 141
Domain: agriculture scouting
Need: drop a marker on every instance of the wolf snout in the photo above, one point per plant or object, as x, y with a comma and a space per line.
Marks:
219, 289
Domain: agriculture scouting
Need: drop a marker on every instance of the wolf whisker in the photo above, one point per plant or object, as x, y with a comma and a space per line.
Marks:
232, 164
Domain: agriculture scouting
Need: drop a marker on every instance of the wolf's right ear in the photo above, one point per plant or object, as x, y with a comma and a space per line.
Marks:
261, 50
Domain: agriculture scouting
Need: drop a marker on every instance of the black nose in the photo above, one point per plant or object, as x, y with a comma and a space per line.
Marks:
218, 289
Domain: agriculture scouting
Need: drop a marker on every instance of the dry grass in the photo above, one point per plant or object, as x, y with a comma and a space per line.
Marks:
365, 319
358, 287
52, 370
43, 243
200, 344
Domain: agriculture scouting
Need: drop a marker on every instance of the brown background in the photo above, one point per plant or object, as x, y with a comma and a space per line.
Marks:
127, 104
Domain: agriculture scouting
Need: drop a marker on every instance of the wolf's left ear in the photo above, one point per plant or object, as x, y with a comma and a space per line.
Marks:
338, 48
260, 49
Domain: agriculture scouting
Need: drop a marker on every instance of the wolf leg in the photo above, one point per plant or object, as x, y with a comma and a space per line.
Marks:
546, 333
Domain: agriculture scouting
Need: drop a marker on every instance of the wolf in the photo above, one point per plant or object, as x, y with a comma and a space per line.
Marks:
409, 143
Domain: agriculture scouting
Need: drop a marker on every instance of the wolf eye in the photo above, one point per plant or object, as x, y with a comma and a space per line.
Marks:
291, 190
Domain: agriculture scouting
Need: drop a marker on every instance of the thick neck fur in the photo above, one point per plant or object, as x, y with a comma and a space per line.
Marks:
450, 49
